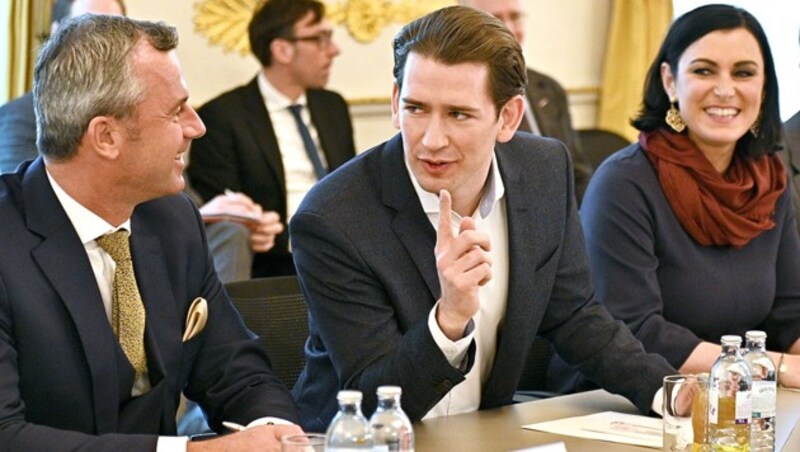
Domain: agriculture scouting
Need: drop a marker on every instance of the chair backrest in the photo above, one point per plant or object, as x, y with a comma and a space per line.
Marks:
275, 310
598, 144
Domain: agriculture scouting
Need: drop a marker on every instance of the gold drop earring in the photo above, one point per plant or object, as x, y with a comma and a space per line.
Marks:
674, 119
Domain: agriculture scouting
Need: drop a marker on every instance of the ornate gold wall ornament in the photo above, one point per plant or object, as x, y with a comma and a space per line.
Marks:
365, 19
224, 22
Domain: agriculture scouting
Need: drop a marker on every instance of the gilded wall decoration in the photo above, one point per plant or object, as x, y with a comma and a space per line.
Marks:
224, 22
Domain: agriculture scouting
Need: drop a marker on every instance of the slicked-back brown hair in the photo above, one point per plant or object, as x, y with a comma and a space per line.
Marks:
458, 34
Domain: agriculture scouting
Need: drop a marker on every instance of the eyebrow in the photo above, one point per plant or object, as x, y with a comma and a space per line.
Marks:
408, 100
714, 63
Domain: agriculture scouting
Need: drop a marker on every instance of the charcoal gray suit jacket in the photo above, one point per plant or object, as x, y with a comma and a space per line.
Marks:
363, 247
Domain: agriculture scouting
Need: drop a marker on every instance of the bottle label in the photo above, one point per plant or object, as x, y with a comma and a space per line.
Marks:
744, 407
764, 393
713, 404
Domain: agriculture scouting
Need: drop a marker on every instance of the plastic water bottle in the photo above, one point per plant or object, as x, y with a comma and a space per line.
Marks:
349, 429
762, 430
730, 400
391, 428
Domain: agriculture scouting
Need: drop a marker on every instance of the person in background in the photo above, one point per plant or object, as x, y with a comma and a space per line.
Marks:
275, 137
546, 106
17, 120
691, 231
433, 259
109, 304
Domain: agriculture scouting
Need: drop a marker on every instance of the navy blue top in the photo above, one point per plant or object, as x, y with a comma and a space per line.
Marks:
672, 292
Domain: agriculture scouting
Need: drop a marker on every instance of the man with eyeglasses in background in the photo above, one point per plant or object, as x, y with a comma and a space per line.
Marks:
275, 137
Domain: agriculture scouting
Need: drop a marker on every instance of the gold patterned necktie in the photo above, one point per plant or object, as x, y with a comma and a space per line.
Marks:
127, 309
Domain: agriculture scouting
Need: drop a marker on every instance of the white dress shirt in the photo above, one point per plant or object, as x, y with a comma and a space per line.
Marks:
490, 218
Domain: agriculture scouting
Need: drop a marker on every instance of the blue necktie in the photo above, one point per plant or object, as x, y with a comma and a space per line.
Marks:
308, 143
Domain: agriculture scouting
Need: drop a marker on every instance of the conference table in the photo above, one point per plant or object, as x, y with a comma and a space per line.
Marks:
500, 429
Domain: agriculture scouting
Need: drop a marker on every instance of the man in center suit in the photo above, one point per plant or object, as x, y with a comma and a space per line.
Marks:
546, 109
432, 260
109, 304
254, 144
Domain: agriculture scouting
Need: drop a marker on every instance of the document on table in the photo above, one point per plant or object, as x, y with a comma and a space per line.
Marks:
607, 426
554, 447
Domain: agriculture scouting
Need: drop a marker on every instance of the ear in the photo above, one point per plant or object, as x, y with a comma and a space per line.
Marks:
282, 51
510, 117
395, 105
104, 137
668, 81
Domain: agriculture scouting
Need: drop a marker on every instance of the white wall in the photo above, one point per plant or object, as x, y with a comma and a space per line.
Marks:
566, 39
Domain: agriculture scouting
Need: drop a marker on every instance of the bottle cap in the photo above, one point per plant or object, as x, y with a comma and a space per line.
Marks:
389, 391
731, 339
349, 395
755, 335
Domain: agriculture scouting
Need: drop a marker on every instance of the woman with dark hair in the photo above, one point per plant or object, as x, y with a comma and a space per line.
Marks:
690, 232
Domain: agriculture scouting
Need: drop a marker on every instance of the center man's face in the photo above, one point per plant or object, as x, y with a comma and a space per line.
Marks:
449, 125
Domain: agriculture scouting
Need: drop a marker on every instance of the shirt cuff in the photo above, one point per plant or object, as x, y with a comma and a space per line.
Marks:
455, 352
269, 421
658, 402
172, 443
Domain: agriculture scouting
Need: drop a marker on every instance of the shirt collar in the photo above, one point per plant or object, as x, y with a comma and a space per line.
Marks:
87, 224
274, 99
493, 191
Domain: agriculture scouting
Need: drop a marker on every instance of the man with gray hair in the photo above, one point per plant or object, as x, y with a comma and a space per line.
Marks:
109, 303
17, 122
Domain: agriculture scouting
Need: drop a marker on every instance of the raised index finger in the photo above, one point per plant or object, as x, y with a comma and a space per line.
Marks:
444, 233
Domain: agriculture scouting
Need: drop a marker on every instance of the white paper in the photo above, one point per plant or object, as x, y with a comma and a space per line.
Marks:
608, 426
553, 447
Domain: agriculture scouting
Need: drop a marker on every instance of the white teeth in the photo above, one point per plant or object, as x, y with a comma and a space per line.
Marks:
722, 111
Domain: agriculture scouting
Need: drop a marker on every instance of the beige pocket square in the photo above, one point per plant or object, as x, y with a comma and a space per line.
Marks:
196, 319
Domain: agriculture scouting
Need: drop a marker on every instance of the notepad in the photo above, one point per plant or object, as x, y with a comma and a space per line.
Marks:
607, 426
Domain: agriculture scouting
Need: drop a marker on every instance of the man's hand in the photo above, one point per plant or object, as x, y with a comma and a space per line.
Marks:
264, 226
262, 237
264, 438
464, 264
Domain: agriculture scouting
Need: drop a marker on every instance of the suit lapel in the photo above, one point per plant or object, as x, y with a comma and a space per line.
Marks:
523, 210
410, 224
163, 328
261, 127
64, 263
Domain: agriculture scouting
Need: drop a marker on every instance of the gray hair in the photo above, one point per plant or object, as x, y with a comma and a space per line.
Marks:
86, 70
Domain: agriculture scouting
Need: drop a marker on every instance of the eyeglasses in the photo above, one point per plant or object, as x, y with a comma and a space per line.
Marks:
322, 39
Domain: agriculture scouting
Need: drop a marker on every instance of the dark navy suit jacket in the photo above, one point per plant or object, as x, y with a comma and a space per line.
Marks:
65, 383
363, 247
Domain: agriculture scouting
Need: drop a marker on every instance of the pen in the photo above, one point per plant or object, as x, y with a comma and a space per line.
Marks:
234, 426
